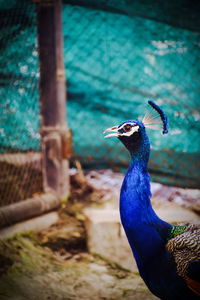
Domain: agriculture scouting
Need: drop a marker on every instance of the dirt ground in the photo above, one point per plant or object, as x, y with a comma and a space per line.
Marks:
32, 271
55, 264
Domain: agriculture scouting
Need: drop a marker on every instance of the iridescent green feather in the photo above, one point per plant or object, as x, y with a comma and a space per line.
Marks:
176, 230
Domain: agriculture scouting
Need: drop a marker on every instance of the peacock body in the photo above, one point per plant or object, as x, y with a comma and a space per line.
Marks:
167, 256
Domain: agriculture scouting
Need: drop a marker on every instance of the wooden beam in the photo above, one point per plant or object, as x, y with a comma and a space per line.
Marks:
29, 208
54, 128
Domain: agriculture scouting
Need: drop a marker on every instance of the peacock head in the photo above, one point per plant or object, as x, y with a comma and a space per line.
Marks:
132, 133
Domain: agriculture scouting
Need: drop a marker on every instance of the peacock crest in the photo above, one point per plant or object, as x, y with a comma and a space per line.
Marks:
155, 117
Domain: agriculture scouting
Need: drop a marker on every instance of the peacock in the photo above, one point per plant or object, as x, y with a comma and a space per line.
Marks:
167, 256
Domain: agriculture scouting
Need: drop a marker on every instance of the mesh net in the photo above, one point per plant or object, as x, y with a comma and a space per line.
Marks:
118, 54
20, 170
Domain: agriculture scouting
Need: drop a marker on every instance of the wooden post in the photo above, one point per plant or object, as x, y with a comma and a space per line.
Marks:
54, 130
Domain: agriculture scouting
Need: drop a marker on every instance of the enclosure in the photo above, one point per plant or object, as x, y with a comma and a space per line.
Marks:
69, 70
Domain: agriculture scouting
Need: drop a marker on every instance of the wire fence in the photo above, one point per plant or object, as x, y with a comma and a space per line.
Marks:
20, 166
118, 54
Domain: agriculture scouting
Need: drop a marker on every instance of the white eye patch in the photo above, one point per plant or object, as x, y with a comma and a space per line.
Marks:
130, 132
129, 129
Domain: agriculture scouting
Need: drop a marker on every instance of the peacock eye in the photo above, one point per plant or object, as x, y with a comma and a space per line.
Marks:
127, 127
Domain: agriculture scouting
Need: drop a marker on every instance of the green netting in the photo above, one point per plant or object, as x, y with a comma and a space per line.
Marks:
19, 75
115, 62
20, 173
118, 54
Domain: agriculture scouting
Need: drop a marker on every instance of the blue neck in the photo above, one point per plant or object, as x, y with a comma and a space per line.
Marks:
144, 229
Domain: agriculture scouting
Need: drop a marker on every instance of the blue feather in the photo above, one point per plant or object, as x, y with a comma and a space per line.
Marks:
162, 115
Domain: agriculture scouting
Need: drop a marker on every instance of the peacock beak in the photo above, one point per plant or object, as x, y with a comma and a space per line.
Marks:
114, 129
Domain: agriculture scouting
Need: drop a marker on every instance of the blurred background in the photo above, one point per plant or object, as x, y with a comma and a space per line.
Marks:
117, 55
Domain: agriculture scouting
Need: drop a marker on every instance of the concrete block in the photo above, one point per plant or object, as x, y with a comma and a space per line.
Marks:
35, 224
106, 237
175, 214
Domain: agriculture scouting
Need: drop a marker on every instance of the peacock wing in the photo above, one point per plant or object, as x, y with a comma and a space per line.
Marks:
185, 249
